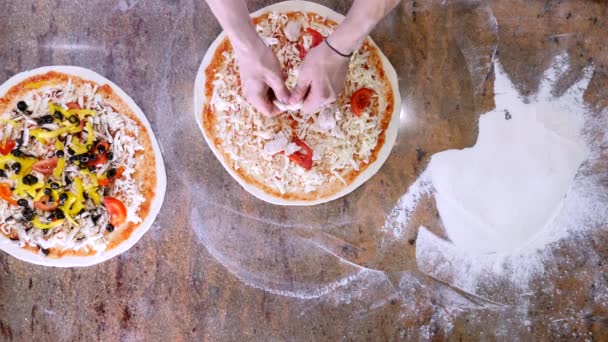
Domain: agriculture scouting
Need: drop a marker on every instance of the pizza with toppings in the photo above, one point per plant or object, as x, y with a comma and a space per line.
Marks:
79, 169
294, 158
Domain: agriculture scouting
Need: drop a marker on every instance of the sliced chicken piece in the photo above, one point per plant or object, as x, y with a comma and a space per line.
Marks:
326, 120
293, 30
277, 144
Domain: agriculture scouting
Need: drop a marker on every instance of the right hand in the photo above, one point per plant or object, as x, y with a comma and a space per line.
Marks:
320, 80
261, 78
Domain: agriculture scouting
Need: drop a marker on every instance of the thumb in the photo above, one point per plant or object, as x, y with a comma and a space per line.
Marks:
280, 90
299, 92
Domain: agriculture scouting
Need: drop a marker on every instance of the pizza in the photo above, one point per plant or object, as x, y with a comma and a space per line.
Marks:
297, 158
78, 167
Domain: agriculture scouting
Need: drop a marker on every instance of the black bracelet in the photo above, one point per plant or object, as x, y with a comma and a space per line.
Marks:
338, 52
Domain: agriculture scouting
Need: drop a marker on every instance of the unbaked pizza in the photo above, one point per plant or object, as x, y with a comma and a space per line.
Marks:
77, 167
295, 157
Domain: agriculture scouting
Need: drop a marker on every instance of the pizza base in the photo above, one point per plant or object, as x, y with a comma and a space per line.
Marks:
329, 193
150, 171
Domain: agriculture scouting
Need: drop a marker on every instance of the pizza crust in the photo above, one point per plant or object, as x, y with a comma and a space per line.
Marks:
150, 170
203, 114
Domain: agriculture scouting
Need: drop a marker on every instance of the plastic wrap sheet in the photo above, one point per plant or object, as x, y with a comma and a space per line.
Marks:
350, 250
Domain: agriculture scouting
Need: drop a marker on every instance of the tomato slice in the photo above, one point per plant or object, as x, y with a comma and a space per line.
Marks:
46, 166
108, 181
6, 193
360, 100
302, 159
302, 50
116, 209
119, 172
101, 158
7, 147
73, 105
44, 205
104, 144
317, 38
99, 161
103, 181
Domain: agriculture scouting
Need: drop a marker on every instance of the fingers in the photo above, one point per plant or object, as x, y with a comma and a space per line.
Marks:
280, 89
300, 91
259, 97
319, 96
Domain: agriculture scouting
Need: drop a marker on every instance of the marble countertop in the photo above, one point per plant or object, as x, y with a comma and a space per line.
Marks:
218, 264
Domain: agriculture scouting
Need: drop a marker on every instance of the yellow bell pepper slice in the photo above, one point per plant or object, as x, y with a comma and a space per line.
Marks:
10, 122
77, 207
77, 146
92, 176
41, 225
69, 201
43, 134
82, 113
23, 190
36, 85
26, 167
39, 194
26, 163
60, 161
90, 134
93, 195
57, 108
70, 219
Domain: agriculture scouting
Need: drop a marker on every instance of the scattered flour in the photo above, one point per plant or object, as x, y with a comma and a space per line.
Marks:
528, 182
499, 195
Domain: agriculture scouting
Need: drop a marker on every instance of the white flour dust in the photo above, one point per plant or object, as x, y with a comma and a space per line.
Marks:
398, 218
520, 188
499, 195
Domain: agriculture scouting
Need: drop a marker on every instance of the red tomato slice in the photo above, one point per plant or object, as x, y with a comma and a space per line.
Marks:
7, 147
108, 181
302, 159
360, 100
317, 38
119, 172
100, 158
44, 205
116, 209
99, 161
105, 144
6, 193
302, 51
103, 181
73, 105
46, 166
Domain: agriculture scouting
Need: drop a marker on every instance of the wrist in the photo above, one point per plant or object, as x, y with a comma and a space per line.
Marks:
245, 41
344, 41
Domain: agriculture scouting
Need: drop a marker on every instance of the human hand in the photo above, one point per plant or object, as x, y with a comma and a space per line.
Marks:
261, 78
320, 79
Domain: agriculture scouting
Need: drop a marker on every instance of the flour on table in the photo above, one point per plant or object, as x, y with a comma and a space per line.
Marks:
499, 195
527, 182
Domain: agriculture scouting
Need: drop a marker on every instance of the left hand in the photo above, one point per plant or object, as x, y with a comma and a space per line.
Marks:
261, 77
320, 79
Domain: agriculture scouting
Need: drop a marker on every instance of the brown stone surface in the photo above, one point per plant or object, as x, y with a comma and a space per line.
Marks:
219, 264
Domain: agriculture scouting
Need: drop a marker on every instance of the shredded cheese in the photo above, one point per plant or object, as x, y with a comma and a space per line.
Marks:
84, 230
341, 141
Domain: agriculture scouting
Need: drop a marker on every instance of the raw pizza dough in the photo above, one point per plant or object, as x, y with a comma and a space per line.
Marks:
261, 191
149, 173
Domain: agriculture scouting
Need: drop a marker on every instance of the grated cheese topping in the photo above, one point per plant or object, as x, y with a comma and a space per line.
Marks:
260, 146
87, 229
